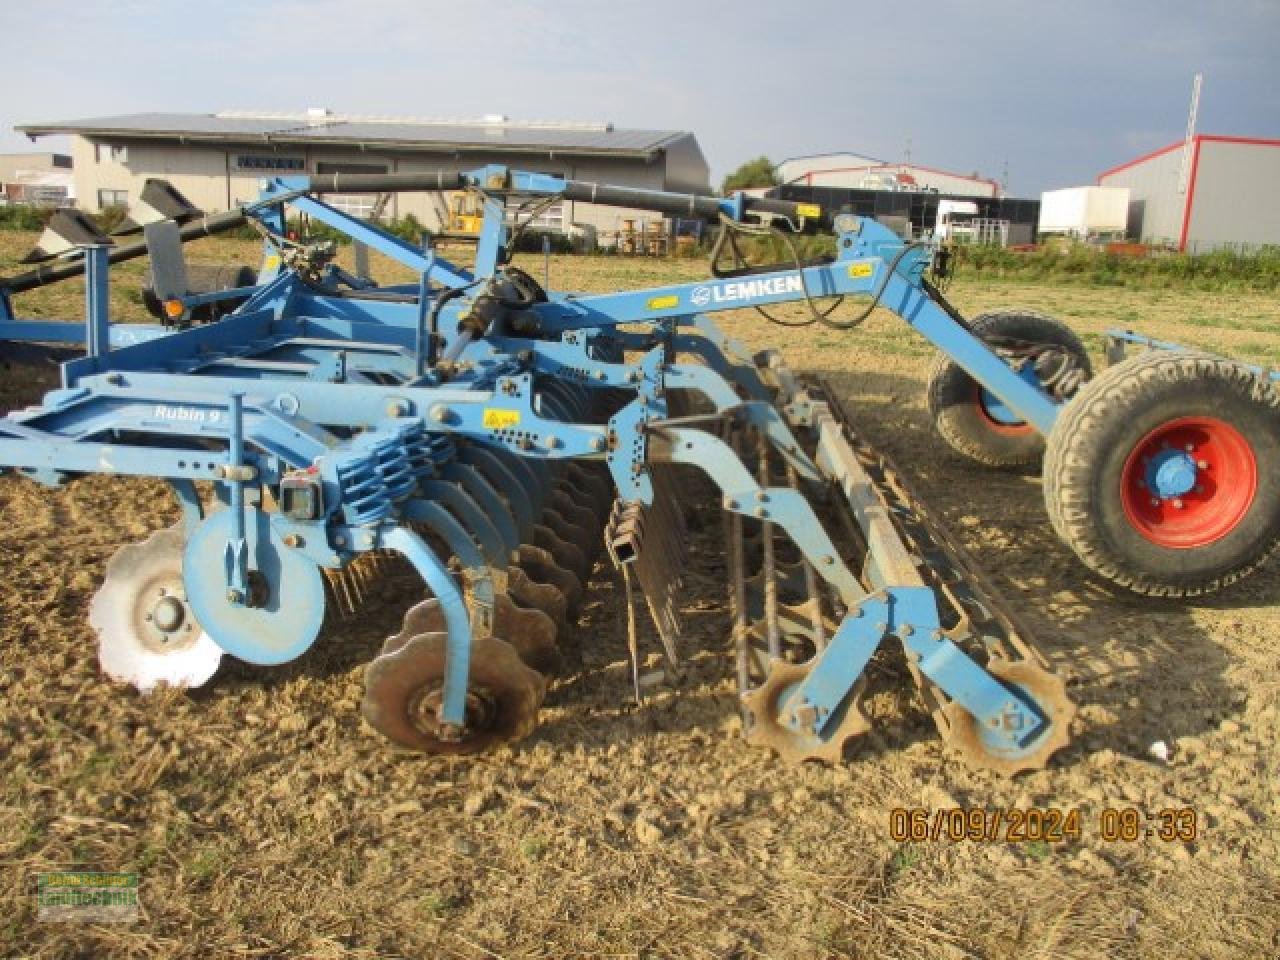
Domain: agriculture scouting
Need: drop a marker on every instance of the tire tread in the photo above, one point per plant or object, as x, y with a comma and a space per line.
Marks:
1072, 451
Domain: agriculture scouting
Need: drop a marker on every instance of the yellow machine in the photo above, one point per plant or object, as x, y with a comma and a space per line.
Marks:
466, 213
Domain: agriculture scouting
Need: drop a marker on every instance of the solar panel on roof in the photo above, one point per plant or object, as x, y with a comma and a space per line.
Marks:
299, 128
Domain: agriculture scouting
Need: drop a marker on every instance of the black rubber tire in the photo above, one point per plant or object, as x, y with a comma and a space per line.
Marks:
952, 392
1108, 418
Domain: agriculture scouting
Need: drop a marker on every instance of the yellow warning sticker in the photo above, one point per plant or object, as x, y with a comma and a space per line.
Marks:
808, 210
861, 269
663, 303
496, 419
271, 263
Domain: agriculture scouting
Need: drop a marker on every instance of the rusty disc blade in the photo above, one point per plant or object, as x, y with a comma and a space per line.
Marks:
530, 631
584, 518
566, 554
147, 632
590, 540
1032, 683
539, 596
766, 703
403, 692
542, 566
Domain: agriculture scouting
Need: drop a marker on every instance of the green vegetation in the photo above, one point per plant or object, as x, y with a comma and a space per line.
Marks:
23, 217
754, 173
1221, 270
533, 847
903, 859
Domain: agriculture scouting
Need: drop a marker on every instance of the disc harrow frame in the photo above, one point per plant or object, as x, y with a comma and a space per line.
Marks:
498, 436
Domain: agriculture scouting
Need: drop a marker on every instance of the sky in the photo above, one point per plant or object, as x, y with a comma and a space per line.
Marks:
1054, 93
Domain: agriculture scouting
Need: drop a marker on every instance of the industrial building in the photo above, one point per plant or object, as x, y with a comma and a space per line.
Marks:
854, 171
40, 179
216, 160
1206, 193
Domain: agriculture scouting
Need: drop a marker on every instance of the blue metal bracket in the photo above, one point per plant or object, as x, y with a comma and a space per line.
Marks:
236, 561
436, 575
782, 506
97, 336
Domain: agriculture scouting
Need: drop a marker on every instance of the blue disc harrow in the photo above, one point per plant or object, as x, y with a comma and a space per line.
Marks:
502, 438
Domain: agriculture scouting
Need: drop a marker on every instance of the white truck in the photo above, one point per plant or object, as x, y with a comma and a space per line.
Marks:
955, 221
1085, 212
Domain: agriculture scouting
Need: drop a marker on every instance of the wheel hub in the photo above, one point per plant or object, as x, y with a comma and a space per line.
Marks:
426, 705
1189, 482
168, 613
404, 692
1171, 473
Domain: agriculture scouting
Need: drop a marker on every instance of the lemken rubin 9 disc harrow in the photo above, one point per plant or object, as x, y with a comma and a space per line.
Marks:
499, 436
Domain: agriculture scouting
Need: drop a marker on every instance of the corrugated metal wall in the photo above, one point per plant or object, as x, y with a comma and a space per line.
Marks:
1234, 195
1237, 196
1153, 195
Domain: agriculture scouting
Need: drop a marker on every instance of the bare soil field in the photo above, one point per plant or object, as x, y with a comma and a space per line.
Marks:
266, 820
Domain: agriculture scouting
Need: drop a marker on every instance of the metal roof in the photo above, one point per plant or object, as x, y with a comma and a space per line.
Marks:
323, 127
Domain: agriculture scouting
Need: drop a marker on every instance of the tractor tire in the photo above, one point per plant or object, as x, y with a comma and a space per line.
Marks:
955, 399
1163, 475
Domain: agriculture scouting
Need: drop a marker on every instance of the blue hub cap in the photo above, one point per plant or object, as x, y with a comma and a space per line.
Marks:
1171, 473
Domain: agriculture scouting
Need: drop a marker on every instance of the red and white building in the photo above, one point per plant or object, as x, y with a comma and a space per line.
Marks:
858, 172
1211, 193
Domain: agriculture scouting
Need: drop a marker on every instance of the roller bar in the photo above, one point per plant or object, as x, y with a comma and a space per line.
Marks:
195, 230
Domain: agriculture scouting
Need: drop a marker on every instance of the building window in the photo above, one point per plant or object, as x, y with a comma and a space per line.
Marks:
110, 153
551, 219
361, 205
112, 198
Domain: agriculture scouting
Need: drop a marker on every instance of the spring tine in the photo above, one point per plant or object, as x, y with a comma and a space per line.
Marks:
336, 592
737, 588
356, 577
772, 636
343, 579
633, 640
810, 583
640, 536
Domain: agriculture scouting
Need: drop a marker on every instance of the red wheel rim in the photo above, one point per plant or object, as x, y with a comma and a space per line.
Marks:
994, 425
1226, 480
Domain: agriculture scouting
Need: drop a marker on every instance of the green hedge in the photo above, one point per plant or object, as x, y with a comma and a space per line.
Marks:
23, 217
1220, 270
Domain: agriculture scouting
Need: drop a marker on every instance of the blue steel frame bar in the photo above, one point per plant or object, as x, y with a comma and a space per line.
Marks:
1116, 339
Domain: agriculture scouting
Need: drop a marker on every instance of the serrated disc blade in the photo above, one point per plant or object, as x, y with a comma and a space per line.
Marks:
143, 589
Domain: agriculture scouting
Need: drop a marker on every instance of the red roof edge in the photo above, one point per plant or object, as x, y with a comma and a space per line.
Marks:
1255, 141
1142, 159
1197, 139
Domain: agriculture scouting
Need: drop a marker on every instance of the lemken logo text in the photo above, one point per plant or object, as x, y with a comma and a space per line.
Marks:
745, 290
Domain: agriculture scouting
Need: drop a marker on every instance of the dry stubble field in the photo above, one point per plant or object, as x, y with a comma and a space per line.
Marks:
266, 820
